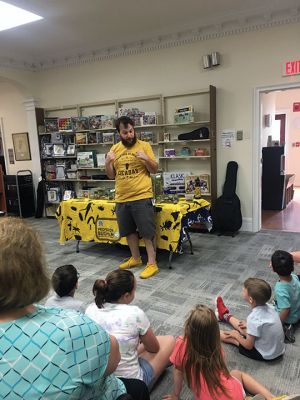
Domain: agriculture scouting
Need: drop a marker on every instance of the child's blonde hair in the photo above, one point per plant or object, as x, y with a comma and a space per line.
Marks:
203, 353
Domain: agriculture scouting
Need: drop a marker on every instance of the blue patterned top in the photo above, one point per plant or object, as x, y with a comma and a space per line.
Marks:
55, 354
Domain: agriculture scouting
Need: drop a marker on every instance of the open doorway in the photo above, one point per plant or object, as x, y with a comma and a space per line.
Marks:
280, 153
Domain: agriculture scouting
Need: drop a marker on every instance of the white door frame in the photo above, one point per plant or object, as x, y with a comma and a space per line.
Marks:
256, 149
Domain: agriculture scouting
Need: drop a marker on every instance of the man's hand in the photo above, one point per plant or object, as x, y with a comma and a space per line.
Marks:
141, 155
109, 164
110, 157
170, 397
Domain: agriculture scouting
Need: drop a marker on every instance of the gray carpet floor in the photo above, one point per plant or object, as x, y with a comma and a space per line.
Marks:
218, 267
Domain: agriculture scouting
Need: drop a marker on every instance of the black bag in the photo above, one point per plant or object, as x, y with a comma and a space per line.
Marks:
40, 199
226, 213
200, 133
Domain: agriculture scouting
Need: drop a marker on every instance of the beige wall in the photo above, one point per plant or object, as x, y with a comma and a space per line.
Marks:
14, 120
15, 87
249, 60
25, 81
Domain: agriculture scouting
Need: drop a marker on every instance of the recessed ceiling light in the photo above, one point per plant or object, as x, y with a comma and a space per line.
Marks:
12, 16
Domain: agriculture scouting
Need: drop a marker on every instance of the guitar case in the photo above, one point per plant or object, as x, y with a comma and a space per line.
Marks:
200, 133
227, 216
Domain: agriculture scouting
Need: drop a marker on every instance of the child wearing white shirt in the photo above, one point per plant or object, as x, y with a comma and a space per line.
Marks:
144, 356
261, 337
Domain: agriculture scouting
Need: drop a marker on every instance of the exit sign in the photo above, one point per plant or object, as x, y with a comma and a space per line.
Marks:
291, 68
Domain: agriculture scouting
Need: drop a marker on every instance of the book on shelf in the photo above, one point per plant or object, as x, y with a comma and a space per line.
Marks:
197, 181
134, 113
57, 138
101, 160
99, 137
83, 193
80, 123
174, 182
91, 137
169, 152
58, 150
147, 137
184, 117
71, 150
71, 174
64, 124
108, 137
68, 194
86, 159
95, 121
107, 121
184, 109
47, 150
149, 118
53, 195
129, 112
50, 171
81, 138
51, 124
60, 171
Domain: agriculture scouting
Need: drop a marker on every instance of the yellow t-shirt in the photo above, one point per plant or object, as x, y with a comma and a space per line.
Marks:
133, 181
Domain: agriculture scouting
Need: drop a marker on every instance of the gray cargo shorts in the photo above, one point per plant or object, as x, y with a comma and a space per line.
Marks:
135, 216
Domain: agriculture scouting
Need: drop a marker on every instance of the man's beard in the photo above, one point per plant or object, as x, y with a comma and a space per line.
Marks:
129, 142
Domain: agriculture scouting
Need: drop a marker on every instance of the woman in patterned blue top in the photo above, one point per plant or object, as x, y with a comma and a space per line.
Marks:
46, 353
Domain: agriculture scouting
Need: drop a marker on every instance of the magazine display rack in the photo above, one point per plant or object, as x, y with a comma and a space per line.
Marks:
181, 129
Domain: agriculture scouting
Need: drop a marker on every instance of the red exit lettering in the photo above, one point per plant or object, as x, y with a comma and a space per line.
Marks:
292, 67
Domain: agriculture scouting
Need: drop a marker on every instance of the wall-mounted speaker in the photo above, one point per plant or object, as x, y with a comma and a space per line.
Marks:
206, 61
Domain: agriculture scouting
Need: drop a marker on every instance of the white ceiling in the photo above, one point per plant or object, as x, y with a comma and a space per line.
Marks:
75, 29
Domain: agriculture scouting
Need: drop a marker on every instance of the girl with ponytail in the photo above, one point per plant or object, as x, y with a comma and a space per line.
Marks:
144, 356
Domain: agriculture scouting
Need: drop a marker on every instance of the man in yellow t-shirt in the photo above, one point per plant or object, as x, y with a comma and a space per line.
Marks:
130, 163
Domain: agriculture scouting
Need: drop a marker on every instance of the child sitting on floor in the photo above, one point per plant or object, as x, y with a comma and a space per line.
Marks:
262, 337
199, 359
287, 292
65, 282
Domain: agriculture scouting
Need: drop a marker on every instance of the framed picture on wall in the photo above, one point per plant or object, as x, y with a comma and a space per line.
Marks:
21, 146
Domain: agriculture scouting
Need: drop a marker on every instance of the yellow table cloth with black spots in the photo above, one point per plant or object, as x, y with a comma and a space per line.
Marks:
87, 220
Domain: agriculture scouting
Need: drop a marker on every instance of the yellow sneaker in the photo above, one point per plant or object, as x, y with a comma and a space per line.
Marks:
149, 270
130, 263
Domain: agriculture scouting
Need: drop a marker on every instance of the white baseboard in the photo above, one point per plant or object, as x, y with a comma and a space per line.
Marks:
247, 225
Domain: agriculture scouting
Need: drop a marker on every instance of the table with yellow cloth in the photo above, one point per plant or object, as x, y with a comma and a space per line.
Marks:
95, 220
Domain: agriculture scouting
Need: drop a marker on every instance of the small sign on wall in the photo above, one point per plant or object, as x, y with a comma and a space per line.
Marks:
290, 68
296, 106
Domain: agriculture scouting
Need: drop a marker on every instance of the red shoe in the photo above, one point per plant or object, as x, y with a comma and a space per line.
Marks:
221, 309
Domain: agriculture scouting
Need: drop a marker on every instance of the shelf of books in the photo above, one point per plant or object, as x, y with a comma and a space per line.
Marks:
181, 128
